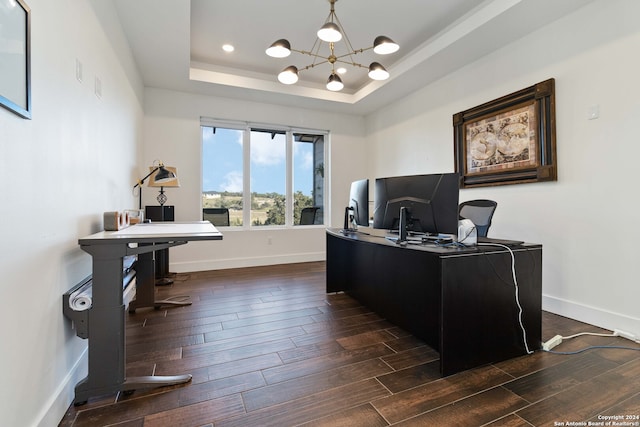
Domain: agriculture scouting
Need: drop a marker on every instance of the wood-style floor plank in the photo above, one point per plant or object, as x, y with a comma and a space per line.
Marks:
311, 384
590, 398
547, 382
324, 363
268, 347
475, 410
309, 408
364, 415
435, 394
411, 377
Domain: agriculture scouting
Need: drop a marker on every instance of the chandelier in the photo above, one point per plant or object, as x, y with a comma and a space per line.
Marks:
332, 32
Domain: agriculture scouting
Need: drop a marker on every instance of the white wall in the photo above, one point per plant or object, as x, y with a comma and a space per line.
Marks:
585, 220
172, 134
60, 171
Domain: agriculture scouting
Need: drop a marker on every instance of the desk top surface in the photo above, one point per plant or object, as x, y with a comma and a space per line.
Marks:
156, 232
381, 239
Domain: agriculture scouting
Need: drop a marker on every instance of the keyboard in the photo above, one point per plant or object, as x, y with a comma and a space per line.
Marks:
489, 240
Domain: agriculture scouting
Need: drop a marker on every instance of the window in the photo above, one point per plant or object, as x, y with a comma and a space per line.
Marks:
268, 160
263, 177
308, 178
222, 176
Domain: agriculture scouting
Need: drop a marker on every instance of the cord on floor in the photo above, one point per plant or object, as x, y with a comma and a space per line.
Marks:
558, 339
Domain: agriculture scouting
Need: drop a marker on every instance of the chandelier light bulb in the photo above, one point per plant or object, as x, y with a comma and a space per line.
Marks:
334, 83
279, 49
378, 72
330, 33
289, 75
383, 45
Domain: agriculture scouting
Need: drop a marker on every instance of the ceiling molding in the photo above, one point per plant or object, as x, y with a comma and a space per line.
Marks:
161, 43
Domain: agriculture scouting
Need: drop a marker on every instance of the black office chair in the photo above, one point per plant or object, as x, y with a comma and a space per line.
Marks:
217, 216
308, 215
479, 212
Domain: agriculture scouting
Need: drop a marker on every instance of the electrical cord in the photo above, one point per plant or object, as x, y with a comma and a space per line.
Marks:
517, 298
460, 243
456, 243
450, 244
558, 339
520, 310
593, 334
568, 353
498, 273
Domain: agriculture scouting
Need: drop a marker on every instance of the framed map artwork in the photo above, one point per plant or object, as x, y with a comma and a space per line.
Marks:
510, 140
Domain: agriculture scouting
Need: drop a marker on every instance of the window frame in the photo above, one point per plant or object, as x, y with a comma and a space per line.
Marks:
247, 128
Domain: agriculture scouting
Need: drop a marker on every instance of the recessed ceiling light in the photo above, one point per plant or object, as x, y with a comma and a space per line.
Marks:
228, 48
341, 70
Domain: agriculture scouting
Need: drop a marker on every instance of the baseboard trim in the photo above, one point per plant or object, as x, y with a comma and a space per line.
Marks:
54, 409
222, 264
591, 315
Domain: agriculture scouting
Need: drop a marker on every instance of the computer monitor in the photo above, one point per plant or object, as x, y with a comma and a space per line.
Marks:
430, 203
359, 202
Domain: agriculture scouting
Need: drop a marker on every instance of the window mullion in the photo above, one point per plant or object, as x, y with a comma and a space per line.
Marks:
246, 182
326, 188
289, 202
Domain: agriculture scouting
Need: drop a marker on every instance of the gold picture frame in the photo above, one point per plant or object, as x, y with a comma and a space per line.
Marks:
510, 140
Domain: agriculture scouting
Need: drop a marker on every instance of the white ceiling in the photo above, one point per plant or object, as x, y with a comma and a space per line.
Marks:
177, 44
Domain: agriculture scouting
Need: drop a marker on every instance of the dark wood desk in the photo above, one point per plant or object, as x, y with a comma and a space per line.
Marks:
461, 302
106, 316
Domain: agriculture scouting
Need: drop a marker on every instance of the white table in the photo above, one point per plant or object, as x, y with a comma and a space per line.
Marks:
106, 316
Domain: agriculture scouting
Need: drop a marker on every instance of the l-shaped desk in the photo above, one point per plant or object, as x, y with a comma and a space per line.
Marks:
106, 320
460, 301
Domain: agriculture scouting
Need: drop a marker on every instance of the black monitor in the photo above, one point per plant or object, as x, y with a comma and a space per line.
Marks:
359, 202
357, 210
430, 203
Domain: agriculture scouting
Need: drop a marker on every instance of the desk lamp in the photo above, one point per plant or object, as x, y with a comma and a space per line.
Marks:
161, 176
164, 176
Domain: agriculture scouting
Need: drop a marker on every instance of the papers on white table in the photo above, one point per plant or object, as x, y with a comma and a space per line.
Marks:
80, 300
167, 228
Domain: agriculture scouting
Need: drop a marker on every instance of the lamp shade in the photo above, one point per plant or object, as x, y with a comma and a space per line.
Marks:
289, 75
383, 45
377, 71
330, 33
164, 176
334, 83
279, 49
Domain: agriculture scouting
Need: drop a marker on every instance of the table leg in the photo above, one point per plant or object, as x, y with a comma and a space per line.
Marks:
145, 286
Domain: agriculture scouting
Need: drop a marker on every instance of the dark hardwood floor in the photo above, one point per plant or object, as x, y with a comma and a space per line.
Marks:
268, 347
